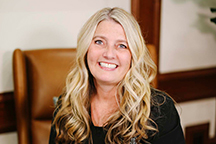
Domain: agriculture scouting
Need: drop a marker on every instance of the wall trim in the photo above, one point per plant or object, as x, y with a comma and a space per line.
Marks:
189, 85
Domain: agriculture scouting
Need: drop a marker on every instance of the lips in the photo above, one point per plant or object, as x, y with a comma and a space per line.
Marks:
107, 65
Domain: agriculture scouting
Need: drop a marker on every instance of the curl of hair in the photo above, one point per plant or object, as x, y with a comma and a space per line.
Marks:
72, 120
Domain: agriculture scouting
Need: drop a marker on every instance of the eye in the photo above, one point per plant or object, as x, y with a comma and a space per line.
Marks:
99, 42
122, 46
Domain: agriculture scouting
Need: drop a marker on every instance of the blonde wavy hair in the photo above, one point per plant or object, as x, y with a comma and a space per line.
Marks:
132, 119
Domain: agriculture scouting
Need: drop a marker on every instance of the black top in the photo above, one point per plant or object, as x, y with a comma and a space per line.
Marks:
164, 115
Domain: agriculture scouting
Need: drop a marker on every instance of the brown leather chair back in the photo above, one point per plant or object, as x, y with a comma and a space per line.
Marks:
39, 75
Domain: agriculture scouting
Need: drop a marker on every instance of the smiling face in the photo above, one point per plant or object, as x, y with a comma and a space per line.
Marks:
108, 55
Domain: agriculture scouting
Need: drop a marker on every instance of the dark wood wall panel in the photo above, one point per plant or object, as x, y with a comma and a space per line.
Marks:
147, 13
199, 134
7, 112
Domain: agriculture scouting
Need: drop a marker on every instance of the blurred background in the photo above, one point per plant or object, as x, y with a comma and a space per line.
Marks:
181, 30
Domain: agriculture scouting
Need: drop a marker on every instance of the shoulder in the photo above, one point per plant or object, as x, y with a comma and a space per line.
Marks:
160, 96
166, 117
161, 103
162, 107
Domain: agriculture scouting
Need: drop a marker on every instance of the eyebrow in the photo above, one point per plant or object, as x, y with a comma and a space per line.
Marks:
99, 37
118, 40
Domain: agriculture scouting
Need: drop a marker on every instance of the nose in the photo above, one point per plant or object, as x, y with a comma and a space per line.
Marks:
109, 52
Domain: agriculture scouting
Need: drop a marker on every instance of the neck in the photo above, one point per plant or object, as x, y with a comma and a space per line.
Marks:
103, 104
106, 92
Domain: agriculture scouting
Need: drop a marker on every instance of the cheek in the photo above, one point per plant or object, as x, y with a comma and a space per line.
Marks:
128, 60
128, 65
91, 59
90, 55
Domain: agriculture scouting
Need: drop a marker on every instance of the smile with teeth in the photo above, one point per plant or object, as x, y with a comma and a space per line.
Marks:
106, 65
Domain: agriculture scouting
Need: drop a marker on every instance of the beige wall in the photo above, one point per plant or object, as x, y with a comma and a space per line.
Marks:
42, 24
188, 38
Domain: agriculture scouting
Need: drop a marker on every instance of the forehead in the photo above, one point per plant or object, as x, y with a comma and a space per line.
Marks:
110, 28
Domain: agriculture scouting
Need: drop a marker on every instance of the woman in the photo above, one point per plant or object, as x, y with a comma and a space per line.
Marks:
108, 97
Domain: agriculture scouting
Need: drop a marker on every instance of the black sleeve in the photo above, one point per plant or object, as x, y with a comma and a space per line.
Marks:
169, 126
